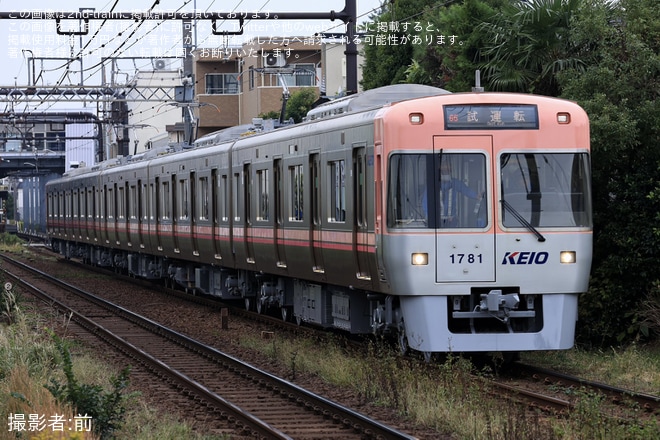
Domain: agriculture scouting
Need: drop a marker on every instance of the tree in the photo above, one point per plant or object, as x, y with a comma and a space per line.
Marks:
387, 50
527, 44
447, 55
300, 103
618, 87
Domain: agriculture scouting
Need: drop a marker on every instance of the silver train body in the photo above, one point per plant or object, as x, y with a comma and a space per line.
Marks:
344, 220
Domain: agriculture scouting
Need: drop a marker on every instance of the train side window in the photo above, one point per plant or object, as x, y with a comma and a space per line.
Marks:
144, 202
74, 204
110, 209
91, 207
132, 202
165, 200
263, 191
203, 198
182, 207
337, 187
223, 206
151, 201
296, 193
121, 203
102, 202
236, 193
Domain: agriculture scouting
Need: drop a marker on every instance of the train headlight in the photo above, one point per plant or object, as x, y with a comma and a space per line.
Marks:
420, 259
567, 257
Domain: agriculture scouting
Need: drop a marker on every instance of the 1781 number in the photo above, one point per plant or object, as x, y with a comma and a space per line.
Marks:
468, 258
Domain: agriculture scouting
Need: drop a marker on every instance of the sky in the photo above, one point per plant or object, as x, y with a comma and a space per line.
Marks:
21, 40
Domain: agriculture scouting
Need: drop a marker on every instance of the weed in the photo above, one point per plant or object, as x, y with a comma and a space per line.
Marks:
105, 408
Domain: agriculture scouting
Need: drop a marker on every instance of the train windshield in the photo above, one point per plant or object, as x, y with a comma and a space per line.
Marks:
545, 189
445, 190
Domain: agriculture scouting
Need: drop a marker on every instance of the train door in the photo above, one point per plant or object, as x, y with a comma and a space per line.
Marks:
247, 213
216, 212
158, 205
360, 226
112, 214
142, 212
131, 215
315, 231
278, 171
176, 212
465, 239
103, 213
193, 213
91, 211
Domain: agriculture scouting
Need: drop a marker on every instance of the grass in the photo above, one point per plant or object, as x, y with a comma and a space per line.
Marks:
635, 367
447, 397
444, 396
29, 359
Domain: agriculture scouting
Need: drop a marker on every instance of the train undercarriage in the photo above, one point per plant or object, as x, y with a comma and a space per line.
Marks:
484, 312
322, 305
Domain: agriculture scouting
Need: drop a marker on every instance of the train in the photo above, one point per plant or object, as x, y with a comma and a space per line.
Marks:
449, 222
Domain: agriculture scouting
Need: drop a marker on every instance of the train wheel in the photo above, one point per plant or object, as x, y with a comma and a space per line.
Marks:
285, 313
259, 306
248, 303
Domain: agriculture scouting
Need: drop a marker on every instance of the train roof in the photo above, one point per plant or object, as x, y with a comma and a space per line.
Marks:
374, 98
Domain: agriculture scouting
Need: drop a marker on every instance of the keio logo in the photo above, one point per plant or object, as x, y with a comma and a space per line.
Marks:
525, 258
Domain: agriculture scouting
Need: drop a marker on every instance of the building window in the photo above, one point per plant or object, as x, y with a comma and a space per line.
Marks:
302, 75
222, 84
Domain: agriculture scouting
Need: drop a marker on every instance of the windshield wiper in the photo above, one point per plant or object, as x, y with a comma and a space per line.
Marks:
522, 220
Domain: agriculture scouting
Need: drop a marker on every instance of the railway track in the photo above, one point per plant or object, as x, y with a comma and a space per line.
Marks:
647, 403
538, 391
255, 402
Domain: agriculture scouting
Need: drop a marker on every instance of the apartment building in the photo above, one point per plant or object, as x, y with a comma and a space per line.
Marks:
235, 84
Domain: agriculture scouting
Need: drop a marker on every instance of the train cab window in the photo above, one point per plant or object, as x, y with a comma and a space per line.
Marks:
545, 190
439, 191
263, 191
337, 187
296, 193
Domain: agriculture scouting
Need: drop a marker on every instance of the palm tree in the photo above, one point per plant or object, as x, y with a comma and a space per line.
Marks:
529, 44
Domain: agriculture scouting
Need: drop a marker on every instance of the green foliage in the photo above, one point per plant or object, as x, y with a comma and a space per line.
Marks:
526, 45
106, 409
450, 63
385, 62
618, 88
300, 103
8, 239
270, 115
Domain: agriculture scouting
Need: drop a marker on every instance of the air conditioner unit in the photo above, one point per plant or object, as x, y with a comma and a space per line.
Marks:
275, 60
160, 64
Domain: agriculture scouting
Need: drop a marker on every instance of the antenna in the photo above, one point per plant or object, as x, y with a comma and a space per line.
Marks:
477, 82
